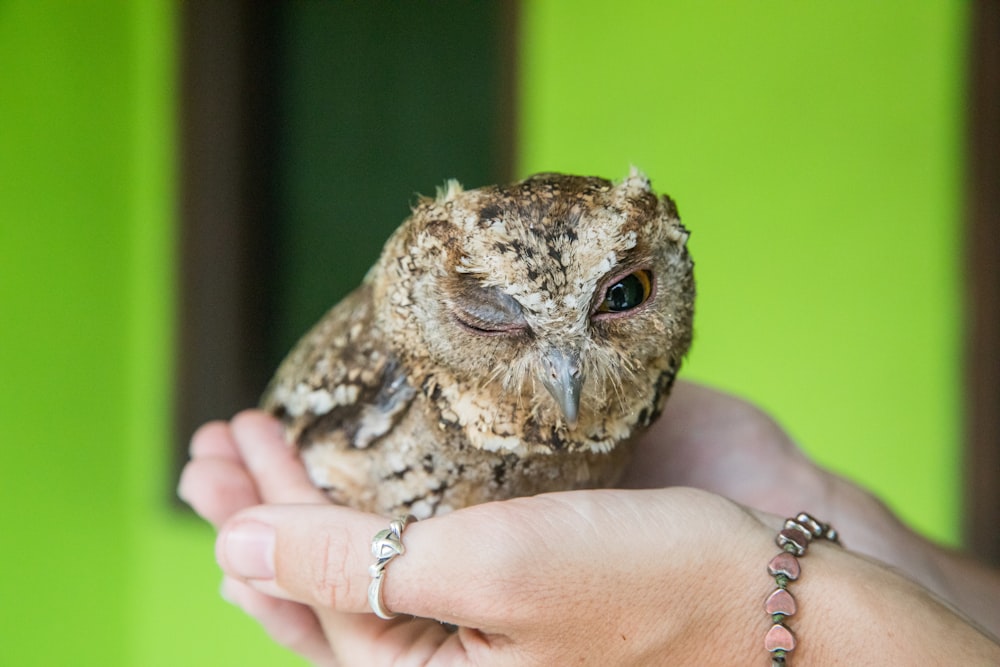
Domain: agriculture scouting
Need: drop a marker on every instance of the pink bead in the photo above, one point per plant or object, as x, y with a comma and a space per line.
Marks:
780, 602
786, 564
779, 638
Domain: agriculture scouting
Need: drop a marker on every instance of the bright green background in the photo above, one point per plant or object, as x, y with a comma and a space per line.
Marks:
814, 152
97, 567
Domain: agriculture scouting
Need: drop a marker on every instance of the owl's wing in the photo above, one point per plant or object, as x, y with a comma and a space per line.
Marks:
340, 386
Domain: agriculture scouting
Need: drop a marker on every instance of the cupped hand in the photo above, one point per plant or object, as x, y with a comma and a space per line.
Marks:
517, 578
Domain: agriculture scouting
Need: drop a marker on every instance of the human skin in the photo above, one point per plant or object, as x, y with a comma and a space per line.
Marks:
648, 575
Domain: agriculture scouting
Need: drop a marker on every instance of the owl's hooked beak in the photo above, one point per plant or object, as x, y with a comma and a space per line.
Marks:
562, 376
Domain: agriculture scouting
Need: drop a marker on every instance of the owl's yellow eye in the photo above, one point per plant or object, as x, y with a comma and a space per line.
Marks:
627, 292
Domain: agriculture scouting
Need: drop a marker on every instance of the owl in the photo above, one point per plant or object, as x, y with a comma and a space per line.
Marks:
510, 340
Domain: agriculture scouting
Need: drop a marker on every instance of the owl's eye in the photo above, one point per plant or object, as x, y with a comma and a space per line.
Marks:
627, 292
488, 310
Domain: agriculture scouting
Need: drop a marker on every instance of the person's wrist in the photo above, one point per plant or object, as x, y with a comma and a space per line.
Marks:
725, 578
855, 610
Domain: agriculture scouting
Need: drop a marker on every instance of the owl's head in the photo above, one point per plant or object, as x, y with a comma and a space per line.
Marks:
562, 304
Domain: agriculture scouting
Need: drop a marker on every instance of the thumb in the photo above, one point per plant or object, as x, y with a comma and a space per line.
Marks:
451, 570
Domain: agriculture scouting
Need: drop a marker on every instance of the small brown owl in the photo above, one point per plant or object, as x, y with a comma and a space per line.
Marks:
510, 340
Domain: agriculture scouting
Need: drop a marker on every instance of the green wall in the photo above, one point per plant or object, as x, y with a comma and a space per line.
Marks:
98, 568
68, 187
814, 152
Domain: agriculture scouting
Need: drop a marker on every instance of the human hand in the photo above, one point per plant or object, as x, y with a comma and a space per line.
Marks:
594, 577
508, 574
717, 442
518, 578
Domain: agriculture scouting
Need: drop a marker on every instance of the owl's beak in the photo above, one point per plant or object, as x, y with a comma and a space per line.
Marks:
562, 376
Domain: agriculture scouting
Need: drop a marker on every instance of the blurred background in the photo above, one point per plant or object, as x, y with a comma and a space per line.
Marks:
186, 186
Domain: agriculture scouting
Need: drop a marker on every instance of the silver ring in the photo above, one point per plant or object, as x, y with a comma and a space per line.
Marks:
386, 545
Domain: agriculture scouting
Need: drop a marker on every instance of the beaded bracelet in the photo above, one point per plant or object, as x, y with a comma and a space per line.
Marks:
793, 540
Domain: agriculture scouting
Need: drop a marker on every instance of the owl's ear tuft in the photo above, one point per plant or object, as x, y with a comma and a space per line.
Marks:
446, 193
636, 181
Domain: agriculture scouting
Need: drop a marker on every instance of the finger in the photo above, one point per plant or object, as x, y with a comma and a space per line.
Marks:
364, 639
331, 575
217, 488
321, 558
290, 624
319, 555
274, 464
214, 440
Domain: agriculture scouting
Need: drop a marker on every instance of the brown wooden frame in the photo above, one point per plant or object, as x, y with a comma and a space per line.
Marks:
224, 149
982, 464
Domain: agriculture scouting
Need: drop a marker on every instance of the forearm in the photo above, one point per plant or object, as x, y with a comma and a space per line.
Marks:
857, 611
851, 610
973, 588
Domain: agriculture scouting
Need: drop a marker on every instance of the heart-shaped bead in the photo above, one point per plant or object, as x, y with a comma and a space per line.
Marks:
786, 564
779, 638
780, 602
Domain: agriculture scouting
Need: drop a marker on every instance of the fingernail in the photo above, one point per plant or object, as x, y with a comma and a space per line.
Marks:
247, 550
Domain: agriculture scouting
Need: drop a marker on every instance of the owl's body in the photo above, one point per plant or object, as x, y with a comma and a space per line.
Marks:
510, 340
